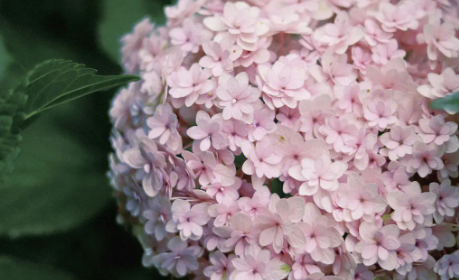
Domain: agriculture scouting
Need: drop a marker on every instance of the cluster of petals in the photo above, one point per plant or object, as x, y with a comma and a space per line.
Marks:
286, 139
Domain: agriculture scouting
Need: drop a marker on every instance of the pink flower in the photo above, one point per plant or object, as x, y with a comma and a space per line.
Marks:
378, 245
279, 223
337, 131
190, 84
318, 173
440, 37
240, 23
412, 208
334, 70
257, 264
283, 84
221, 266
321, 236
360, 198
340, 34
380, 113
360, 146
261, 161
158, 215
164, 125
440, 85
222, 193
383, 53
448, 266
263, 123
188, 220
219, 57
393, 17
348, 98
253, 206
436, 130
237, 97
399, 142
373, 33
190, 35
239, 235
208, 170
447, 199
181, 259
303, 266
208, 132
150, 164
424, 159
236, 132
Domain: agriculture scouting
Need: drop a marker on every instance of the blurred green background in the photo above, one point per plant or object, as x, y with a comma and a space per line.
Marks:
57, 215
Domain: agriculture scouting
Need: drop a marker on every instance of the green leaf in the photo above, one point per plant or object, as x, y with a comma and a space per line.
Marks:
120, 17
17, 269
5, 58
57, 81
57, 184
450, 103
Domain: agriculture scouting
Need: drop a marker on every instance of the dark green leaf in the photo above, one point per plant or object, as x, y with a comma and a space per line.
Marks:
5, 58
57, 184
17, 269
58, 81
120, 17
450, 103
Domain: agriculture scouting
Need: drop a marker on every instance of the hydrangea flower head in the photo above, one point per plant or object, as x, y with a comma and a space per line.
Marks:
291, 139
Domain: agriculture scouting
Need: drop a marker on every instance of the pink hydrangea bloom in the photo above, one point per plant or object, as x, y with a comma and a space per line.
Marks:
257, 264
181, 259
269, 136
447, 199
237, 97
378, 245
279, 223
188, 220
412, 207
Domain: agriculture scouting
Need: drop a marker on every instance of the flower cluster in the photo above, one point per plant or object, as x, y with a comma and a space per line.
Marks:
292, 139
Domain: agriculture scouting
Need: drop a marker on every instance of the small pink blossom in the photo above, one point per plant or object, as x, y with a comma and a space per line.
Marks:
378, 245
208, 132
412, 208
237, 97
164, 125
447, 199
374, 34
436, 130
440, 85
399, 142
318, 173
188, 220
383, 53
218, 57
221, 266
340, 34
190, 84
257, 264
448, 266
424, 159
440, 38
278, 224
181, 258
190, 35
360, 198
393, 17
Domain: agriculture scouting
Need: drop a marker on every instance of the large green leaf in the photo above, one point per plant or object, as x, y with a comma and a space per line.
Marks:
17, 269
57, 81
119, 18
450, 103
57, 183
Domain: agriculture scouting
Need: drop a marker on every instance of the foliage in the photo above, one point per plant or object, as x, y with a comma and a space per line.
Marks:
57, 216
